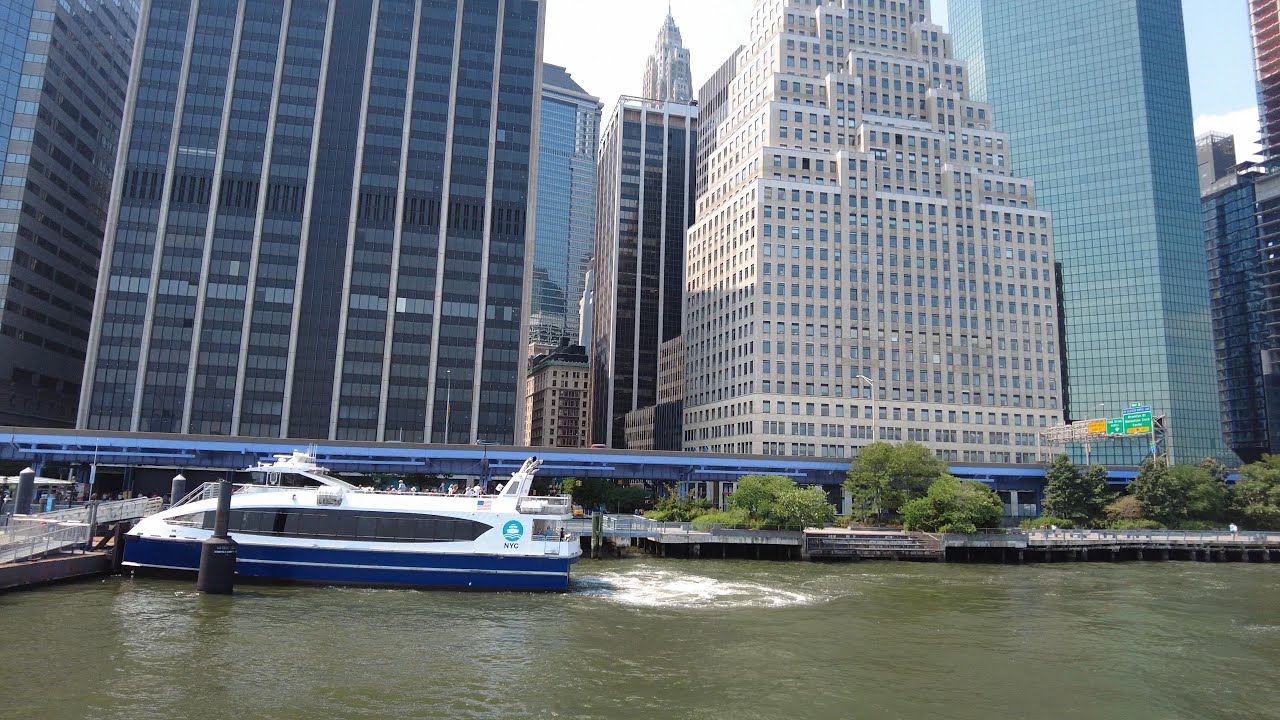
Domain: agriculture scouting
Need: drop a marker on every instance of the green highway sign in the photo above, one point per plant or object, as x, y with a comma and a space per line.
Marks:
1115, 426
1137, 421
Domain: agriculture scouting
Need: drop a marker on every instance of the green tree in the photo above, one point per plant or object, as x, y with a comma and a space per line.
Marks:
1207, 496
799, 508
777, 501
1255, 498
596, 493
883, 477
1259, 483
952, 505
1125, 508
1176, 496
1070, 494
1216, 469
673, 508
758, 495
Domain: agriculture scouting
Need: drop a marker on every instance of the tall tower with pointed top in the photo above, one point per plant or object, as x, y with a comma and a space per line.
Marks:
666, 74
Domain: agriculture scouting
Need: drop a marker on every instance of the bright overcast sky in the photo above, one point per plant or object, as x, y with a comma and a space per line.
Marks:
604, 43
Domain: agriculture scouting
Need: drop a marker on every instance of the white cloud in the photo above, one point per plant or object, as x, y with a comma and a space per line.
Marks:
1242, 123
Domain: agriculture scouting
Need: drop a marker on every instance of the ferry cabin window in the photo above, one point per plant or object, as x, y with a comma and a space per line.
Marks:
348, 525
546, 529
191, 520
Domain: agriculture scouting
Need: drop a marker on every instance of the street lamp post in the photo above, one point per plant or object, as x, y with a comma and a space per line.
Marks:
1088, 446
448, 403
871, 385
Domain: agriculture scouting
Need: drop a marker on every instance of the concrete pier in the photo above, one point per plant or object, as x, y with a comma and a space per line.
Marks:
1113, 545
1010, 546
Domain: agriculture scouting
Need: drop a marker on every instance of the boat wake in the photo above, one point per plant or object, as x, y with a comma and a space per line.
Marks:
651, 588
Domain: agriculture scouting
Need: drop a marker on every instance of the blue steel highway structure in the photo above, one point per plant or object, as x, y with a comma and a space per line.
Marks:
148, 460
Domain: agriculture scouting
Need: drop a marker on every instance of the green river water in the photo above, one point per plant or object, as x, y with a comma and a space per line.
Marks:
661, 639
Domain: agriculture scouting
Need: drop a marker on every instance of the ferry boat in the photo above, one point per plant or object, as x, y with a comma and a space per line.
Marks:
305, 525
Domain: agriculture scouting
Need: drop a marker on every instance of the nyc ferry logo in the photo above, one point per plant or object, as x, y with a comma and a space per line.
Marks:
512, 531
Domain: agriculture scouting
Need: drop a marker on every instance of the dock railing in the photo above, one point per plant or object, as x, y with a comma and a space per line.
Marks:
35, 541
1154, 538
1015, 538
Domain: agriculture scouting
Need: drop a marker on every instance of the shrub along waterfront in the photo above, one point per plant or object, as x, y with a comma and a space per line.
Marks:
759, 502
891, 482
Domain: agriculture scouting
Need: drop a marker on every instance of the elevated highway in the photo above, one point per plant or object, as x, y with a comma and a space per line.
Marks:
156, 456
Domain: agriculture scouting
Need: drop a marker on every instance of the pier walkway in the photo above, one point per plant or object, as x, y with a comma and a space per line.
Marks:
1059, 545
692, 539
28, 536
1007, 545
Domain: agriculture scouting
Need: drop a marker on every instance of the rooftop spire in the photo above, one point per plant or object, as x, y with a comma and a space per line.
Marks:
666, 74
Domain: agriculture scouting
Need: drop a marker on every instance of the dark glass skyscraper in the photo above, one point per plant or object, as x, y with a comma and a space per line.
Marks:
647, 161
318, 225
1096, 100
1246, 383
569, 131
64, 68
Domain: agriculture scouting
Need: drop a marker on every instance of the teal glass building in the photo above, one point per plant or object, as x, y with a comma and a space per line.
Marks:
1095, 97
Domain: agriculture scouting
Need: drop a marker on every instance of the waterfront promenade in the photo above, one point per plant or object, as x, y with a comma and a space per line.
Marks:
1012, 545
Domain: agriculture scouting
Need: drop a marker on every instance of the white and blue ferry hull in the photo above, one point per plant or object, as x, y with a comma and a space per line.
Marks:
360, 567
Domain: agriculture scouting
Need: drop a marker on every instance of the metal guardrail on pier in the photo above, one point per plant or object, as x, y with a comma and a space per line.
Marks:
635, 527
57, 536
29, 536
1155, 539
108, 511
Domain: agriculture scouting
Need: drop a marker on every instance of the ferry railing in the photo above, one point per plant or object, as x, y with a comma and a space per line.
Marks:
203, 491
209, 491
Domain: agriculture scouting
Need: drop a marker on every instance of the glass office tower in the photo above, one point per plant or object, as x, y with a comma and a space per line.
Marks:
318, 224
648, 154
1095, 97
569, 130
1239, 291
64, 68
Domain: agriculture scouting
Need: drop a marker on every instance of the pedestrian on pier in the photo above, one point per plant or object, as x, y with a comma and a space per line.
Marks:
1232, 527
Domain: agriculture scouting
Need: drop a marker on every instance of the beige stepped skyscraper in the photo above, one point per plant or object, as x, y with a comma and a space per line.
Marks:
863, 264
666, 73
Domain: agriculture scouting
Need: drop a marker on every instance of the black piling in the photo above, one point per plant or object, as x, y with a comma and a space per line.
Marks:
597, 534
26, 492
118, 539
218, 553
177, 488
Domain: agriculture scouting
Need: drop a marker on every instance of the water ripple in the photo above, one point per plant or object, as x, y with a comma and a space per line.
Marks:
649, 587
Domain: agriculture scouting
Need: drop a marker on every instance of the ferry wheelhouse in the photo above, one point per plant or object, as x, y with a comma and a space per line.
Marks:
304, 525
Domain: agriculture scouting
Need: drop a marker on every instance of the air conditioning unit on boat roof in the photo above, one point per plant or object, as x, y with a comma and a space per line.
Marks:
326, 495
